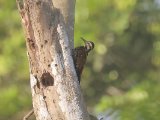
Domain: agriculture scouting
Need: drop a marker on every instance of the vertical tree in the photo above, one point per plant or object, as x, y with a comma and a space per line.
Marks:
49, 29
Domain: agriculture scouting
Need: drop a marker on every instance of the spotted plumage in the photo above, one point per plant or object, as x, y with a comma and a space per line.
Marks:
80, 56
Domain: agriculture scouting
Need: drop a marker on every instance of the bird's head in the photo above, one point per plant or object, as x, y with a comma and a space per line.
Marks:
89, 45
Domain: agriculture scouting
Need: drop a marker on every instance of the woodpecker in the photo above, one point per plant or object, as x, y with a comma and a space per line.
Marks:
80, 56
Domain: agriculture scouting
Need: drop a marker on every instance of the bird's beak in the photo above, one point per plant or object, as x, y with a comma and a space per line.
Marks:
83, 40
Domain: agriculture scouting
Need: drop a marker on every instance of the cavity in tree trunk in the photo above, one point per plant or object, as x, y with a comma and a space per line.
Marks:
48, 26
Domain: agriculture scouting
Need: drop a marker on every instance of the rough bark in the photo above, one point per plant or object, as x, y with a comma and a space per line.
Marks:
67, 8
56, 93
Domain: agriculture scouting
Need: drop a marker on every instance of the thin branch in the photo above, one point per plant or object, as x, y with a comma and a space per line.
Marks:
28, 115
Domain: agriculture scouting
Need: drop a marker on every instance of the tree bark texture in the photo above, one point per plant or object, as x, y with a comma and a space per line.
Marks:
48, 26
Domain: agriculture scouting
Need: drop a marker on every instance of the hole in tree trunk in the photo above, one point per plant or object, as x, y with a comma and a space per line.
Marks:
47, 79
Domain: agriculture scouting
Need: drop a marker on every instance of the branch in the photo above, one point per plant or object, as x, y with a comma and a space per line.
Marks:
28, 115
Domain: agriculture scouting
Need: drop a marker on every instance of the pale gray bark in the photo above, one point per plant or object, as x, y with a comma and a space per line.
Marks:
67, 8
55, 89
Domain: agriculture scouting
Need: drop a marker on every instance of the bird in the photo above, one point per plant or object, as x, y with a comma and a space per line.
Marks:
80, 56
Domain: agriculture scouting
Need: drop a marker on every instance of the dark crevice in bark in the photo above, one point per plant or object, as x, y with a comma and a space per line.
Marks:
47, 79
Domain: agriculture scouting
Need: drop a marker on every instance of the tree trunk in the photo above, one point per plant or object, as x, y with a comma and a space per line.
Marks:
49, 31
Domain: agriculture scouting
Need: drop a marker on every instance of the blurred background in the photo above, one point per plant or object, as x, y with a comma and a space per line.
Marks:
121, 77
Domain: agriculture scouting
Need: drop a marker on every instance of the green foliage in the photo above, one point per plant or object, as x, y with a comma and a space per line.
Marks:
122, 73
14, 78
12, 102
